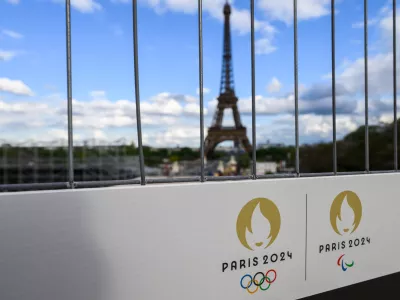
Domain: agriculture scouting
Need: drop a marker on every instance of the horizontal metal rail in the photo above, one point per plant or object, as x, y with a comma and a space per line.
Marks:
111, 183
33, 186
105, 183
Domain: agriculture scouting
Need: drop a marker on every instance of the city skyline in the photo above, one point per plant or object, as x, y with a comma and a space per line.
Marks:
33, 69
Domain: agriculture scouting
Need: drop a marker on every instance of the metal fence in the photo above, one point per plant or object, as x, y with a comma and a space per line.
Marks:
71, 181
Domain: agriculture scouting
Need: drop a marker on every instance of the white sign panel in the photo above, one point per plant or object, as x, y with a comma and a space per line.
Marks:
275, 239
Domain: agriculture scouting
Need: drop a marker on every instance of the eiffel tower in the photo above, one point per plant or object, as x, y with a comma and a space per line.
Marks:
227, 99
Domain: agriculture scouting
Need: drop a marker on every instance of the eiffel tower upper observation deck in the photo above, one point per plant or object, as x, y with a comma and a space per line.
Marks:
226, 100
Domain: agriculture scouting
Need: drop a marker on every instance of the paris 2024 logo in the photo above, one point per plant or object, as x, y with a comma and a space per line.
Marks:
346, 213
257, 227
256, 218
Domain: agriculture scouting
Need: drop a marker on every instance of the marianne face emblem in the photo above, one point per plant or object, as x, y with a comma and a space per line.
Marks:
346, 213
258, 224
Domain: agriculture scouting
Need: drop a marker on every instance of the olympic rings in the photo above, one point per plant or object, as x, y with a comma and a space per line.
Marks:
262, 279
266, 275
259, 283
250, 282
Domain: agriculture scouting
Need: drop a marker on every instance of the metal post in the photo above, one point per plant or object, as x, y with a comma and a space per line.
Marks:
100, 160
296, 88
253, 92
35, 164
85, 162
395, 87
19, 165
69, 95
333, 88
51, 164
118, 162
201, 92
5, 166
123, 161
137, 94
366, 84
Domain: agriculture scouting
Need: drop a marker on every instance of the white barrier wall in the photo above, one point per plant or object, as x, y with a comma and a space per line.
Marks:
275, 239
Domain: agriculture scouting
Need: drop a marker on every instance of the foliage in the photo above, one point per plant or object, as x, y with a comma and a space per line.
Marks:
351, 152
314, 158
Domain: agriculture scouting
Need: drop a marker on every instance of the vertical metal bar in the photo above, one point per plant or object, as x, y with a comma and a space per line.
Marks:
19, 165
85, 162
395, 87
118, 162
296, 88
201, 92
100, 160
69, 96
5, 164
123, 161
137, 92
36, 163
366, 84
333, 88
253, 92
51, 164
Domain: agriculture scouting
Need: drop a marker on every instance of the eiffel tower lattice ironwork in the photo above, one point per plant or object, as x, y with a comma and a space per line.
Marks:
226, 100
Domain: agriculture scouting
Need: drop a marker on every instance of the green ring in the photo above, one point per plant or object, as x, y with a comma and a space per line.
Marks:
268, 285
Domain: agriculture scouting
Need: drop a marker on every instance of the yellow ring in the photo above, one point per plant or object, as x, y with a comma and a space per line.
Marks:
252, 292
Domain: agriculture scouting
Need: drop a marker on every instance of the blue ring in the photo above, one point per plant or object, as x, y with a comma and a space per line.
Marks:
241, 281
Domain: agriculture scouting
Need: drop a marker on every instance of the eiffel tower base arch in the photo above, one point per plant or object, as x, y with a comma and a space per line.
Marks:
218, 135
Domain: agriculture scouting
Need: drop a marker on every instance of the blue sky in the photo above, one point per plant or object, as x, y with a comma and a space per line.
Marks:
33, 68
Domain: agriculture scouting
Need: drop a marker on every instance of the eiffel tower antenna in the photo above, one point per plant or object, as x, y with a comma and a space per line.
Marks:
226, 100
227, 84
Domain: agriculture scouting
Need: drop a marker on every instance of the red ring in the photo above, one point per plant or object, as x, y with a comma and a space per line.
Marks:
266, 275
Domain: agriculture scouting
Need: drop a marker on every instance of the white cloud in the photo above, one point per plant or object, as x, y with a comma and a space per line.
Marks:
322, 125
285, 105
84, 6
282, 10
165, 119
360, 25
274, 86
312, 128
7, 55
386, 24
165, 116
380, 65
240, 18
264, 46
171, 104
13, 1
176, 135
97, 94
16, 87
161, 111
205, 91
12, 34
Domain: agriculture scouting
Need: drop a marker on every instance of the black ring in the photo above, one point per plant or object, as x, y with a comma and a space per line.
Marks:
261, 281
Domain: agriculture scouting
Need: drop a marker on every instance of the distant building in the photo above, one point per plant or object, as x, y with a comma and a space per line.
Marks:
268, 144
267, 167
227, 149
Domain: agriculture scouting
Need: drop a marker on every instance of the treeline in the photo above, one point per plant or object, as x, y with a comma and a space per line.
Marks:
314, 158
351, 151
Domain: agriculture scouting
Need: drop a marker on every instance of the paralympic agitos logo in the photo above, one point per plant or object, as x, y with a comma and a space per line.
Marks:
343, 264
345, 218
